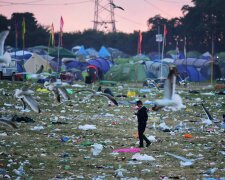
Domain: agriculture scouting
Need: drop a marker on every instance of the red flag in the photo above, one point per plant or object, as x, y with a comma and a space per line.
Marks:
165, 30
139, 42
164, 34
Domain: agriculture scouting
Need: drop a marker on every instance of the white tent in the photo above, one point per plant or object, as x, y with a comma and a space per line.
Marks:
34, 63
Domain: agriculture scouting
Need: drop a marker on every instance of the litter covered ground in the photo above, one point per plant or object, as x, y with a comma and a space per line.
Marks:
90, 139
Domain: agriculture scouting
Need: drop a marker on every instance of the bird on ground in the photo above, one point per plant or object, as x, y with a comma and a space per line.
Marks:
57, 89
5, 58
115, 6
25, 95
207, 112
8, 122
106, 91
101, 94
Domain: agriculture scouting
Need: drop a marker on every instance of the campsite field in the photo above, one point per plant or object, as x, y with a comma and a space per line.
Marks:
54, 147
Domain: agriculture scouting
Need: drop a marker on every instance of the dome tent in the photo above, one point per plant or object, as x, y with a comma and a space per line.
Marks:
154, 67
127, 72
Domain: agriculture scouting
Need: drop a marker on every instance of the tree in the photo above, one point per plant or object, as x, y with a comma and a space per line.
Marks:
204, 21
4, 23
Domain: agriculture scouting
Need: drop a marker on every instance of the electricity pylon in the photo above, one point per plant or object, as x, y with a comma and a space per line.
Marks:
104, 19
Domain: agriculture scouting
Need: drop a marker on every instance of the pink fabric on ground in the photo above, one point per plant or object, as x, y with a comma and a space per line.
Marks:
127, 150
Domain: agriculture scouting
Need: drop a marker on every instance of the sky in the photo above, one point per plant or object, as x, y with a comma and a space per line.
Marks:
78, 15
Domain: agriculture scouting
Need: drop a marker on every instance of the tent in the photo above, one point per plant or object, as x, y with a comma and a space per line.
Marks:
116, 53
104, 53
34, 63
63, 53
92, 53
193, 73
202, 65
127, 72
157, 69
75, 64
21, 55
103, 64
122, 60
220, 58
81, 52
175, 54
193, 54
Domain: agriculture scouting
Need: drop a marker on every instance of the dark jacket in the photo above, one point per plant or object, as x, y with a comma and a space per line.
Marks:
142, 115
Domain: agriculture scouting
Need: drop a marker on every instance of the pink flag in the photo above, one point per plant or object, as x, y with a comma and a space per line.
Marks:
61, 24
61, 30
139, 42
52, 36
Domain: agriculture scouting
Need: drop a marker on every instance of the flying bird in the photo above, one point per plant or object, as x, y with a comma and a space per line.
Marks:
169, 89
57, 89
5, 58
101, 94
115, 6
25, 95
8, 122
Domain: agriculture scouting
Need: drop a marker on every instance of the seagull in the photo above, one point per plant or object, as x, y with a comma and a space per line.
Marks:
5, 58
207, 112
24, 95
170, 98
184, 161
98, 93
115, 6
8, 122
40, 70
57, 89
106, 91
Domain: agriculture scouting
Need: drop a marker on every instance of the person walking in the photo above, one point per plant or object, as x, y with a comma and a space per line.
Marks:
142, 117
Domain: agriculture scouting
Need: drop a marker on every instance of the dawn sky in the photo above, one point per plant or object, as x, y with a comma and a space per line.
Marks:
78, 15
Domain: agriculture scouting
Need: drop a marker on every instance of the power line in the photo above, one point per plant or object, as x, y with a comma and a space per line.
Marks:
176, 2
33, 3
157, 8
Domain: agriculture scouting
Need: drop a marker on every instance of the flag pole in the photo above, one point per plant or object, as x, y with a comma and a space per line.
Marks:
162, 54
185, 54
16, 37
58, 52
23, 33
159, 52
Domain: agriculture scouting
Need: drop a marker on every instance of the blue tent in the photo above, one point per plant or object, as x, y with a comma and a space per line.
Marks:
104, 53
81, 51
102, 64
19, 65
192, 72
76, 64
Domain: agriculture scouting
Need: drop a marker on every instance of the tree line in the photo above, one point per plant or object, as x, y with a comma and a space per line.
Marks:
201, 27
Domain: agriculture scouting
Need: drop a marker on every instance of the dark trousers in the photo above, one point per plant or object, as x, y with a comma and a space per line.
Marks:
141, 130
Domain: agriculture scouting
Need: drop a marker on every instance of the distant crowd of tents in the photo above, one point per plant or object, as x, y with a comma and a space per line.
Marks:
112, 64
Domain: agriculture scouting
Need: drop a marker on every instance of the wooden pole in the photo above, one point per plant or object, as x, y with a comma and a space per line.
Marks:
212, 59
